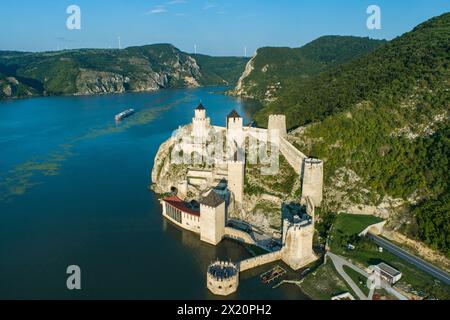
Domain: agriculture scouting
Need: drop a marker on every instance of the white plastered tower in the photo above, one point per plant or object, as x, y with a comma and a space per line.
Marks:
236, 161
236, 178
212, 218
278, 123
200, 124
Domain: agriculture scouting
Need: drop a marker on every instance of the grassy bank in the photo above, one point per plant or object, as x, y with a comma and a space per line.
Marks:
366, 253
324, 283
358, 279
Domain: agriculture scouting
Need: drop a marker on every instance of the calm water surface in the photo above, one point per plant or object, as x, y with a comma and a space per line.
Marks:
74, 191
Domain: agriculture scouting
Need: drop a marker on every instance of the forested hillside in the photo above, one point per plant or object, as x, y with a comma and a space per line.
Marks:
381, 124
272, 69
391, 72
92, 71
220, 70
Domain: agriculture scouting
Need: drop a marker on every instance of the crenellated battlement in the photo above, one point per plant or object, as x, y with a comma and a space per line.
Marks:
200, 113
278, 122
297, 242
297, 236
223, 278
237, 162
277, 116
313, 180
200, 120
200, 124
313, 162
223, 270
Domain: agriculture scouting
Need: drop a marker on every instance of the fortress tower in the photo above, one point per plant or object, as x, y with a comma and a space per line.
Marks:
222, 278
236, 176
278, 122
200, 124
212, 218
236, 165
298, 236
235, 122
313, 180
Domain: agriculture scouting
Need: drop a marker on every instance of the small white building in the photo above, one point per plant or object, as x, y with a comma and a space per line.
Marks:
345, 296
387, 272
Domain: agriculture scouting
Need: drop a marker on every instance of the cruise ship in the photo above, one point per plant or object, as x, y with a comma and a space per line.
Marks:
124, 114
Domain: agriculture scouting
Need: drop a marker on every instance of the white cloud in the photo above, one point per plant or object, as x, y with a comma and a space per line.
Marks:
157, 10
162, 7
212, 6
209, 5
173, 2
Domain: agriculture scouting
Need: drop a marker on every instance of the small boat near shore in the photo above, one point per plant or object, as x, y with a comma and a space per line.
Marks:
124, 114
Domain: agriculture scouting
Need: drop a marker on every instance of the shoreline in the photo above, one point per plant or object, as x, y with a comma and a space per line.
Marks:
5, 99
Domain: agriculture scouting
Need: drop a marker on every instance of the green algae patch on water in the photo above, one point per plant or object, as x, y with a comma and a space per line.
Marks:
138, 119
23, 176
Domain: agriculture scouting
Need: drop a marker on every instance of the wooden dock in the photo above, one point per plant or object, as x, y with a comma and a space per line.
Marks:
272, 275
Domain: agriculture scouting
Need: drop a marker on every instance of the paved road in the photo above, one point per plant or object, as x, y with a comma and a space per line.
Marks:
340, 262
419, 263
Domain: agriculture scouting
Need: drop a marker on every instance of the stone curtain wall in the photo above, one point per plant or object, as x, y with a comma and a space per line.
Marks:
292, 155
239, 235
259, 261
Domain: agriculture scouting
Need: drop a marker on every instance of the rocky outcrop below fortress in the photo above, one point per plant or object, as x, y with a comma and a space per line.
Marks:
267, 199
165, 175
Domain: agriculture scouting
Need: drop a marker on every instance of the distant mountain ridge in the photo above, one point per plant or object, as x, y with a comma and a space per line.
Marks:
271, 69
406, 59
94, 71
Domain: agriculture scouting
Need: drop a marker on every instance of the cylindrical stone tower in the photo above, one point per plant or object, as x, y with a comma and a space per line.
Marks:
222, 278
313, 181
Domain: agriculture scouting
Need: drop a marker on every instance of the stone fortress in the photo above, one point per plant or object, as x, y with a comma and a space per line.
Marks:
222, 192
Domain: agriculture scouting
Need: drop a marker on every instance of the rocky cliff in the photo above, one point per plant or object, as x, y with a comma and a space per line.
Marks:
164, 175
241, 88
266, 198
94, 71
271, 69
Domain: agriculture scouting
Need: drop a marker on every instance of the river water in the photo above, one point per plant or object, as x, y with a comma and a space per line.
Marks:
74, 191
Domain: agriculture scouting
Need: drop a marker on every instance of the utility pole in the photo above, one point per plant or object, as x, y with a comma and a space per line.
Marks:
120, 45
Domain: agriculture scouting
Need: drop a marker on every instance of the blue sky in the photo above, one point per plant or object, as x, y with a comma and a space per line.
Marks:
217, 27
